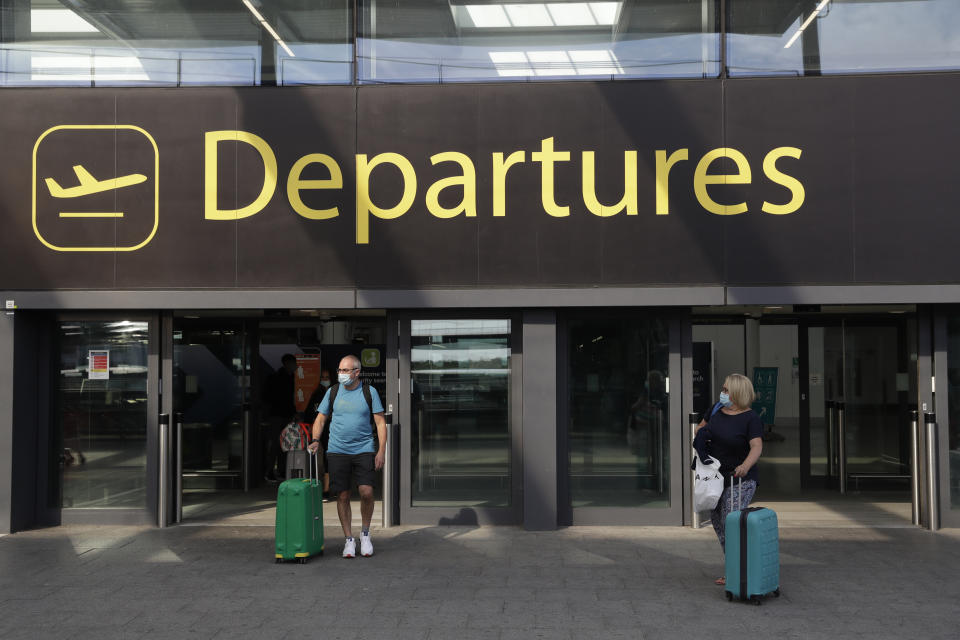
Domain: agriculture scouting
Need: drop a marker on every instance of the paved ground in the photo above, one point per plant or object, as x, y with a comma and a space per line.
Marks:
433, 582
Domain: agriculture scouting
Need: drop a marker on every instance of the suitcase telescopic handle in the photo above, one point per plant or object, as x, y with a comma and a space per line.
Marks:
739, 494
314, 468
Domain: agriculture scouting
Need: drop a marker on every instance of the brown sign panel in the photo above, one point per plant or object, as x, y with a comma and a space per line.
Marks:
766, 181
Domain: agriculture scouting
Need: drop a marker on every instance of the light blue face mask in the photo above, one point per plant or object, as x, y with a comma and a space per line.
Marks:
725, 400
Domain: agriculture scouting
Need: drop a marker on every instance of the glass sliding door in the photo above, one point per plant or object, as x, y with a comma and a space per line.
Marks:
102, 413
875, 423
211, 384
861, 382
460, 371
618, 406
459, 427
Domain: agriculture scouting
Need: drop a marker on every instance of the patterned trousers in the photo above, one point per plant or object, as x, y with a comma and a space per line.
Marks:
719, 514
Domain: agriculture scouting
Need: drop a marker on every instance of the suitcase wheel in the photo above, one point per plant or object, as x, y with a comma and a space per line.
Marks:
756, 600
776, 592
278, 561
302, 560
729, 596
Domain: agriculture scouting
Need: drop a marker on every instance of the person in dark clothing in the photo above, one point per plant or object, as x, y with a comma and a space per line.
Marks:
278, 400
310, 414
734, 436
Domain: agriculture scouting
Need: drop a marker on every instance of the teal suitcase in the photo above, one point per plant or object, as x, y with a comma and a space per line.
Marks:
752, 551
299, 528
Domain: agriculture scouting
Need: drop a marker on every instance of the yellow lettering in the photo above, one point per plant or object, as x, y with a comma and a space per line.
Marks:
664, 165
629, 200
701, 179
295, 184
791, 183
212, 138
500, 168
468, 181
365, 207
548, 156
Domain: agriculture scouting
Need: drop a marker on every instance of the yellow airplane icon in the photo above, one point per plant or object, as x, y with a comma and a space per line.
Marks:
90, 185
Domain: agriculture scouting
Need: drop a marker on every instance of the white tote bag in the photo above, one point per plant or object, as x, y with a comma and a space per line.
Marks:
707, 485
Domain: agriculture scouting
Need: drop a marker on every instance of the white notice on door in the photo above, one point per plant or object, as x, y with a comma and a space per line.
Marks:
98, 365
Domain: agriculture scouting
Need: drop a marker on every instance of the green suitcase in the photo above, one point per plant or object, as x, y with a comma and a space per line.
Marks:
299, 532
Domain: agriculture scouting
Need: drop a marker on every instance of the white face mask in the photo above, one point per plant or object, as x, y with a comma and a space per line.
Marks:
343, 378
324, 383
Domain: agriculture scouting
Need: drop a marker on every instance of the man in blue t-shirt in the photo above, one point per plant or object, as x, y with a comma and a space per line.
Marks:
350, 452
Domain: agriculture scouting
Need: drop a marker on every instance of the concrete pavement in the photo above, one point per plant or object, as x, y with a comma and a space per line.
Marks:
458, 582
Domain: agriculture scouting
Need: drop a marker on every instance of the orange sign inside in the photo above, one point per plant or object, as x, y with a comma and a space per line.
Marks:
305, 379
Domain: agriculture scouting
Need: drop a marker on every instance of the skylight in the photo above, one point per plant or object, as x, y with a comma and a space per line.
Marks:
536, 15
58, 21
85, 68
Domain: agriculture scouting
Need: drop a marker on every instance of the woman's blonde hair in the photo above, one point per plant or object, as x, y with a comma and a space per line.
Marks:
740, 389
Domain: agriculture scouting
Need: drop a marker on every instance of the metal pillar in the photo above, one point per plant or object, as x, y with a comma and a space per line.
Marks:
842, 448
933, 497
248, 449
915, 466
389, 469
163, 492
831, 438
178, 467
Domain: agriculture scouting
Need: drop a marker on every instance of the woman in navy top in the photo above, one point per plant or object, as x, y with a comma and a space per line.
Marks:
734, 436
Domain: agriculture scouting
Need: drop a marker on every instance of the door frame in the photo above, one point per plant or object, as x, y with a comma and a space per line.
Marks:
250, 464
949, 517
123, 516
900, 322
511, 515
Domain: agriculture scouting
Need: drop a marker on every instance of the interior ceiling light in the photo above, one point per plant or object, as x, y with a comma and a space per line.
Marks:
58, 21
806, 23
536, 14
270, 30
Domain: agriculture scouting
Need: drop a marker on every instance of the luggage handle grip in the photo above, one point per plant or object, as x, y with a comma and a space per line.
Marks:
314, 467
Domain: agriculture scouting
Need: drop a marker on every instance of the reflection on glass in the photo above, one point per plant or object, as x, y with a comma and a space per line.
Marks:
476, 40
209, 385
842, 36
102, 414
619, 412
460, 449
51, 43
876, 436
825, 346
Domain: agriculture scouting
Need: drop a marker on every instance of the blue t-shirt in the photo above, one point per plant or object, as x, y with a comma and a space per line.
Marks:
350, 431
727, 438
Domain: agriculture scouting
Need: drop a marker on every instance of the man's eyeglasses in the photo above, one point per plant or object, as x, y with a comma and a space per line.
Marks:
347, 370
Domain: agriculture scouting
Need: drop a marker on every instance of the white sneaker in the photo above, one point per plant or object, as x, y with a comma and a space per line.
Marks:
366, 546
350, 549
